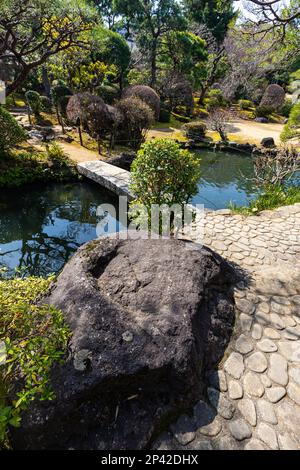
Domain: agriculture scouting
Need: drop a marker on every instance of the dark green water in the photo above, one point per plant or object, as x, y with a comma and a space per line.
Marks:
225, 178
41, 227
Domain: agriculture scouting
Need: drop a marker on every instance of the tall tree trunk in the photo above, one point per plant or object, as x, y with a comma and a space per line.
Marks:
80, 133
153, 64
46, 82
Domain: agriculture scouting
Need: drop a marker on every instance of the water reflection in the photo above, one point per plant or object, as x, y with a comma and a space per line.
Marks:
42, 227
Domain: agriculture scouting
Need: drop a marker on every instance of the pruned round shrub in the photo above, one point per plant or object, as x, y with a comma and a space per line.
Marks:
77, 108
34, 101
163, 173
59, 91
137, 119
109, 93
264, 111
146, 94
274, 97
292, 128
245, 104
214, 99
11, 133
195, 131
46, 104
200, 113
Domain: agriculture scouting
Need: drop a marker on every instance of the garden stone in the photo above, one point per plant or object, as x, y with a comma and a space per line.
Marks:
247, 408
266, 412
267, 346
275, 394
179, 322
243, 345
217, 379
278, 370
226, 443
246, 322
272, 334
257, 332
200, 443
206, 420
253, 385
290, 350
266, 381
257, 362
268, 142
254, 444
240, 430
276, 321
294, 373
221, 404
267, 435
234, 365
184, 430
294, 392
245, 306
286, 442
286, 414
235, 390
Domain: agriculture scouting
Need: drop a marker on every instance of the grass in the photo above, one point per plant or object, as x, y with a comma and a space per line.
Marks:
272, 198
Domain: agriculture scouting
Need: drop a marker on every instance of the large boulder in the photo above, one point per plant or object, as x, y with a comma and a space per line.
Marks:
148, 318
274, 97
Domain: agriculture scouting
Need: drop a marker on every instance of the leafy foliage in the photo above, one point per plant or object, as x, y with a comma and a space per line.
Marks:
34, 101
146, 94
11, 133
271, 198
246, 104
137, 119
195, 131
35, 337
163, 173
292, 128
22, 168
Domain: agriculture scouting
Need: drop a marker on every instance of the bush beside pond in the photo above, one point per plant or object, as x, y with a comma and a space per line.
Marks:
28, 166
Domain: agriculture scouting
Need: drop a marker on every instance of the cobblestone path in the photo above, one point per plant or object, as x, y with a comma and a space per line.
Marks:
253, 398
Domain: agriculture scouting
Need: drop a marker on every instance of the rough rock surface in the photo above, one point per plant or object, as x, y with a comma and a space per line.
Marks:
148, 318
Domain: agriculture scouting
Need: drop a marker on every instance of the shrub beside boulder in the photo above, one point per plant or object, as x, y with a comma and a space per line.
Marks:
195, 131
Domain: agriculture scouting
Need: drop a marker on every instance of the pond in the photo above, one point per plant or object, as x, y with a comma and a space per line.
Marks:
226, 178
41, 227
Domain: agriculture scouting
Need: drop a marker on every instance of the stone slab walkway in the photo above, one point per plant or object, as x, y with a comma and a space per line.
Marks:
253, 397
110, 177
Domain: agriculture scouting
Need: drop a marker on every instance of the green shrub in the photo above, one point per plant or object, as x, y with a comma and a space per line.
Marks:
11, 133
272, 198
35, 337
287, 108
264, 111
163, 173
181, 118
245, 104
23, 168
292, 128
137, 119
108, 93
34, 101
195, 131
164, 115
200, 113
46, 104
214, 99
